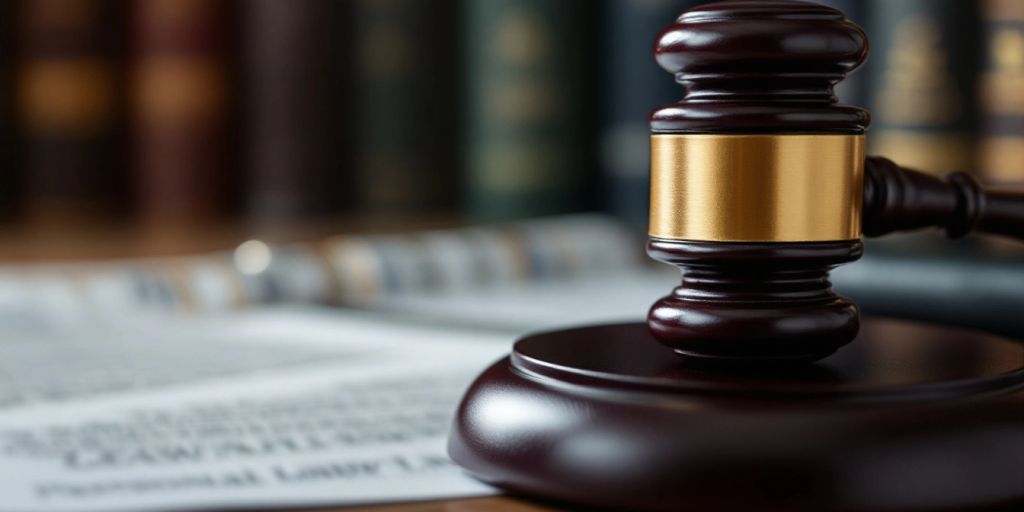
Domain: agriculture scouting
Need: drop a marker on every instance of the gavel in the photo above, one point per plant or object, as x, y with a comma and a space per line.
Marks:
734, 394
760, 186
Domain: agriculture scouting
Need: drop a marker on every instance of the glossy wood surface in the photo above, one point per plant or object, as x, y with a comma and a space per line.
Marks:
765, 66
908, 417
72, 243
496, 504
901, 199
504, 504
760, 66
763, 302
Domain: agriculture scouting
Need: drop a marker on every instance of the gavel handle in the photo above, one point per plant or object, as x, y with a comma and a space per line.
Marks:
900, 199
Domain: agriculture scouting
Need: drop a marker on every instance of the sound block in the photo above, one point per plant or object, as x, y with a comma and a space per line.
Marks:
909, 417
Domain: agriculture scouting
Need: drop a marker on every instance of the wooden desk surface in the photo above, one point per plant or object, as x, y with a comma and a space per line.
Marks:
19, 244
496, 504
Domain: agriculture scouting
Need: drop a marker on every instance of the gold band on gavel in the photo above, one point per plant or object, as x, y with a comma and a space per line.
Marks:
756, 188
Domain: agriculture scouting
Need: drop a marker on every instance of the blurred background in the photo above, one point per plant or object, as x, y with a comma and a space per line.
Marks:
165, 113
158, 127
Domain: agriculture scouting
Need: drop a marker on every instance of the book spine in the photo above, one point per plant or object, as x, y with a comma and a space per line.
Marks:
405, 95
527, 99
288, 114
1001, 151
922, 74
67, 110
632, 84
179, 95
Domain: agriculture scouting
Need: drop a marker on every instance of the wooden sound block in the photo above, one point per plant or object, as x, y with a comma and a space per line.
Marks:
909, 417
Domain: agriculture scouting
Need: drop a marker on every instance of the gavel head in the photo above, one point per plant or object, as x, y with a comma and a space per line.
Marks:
757, 180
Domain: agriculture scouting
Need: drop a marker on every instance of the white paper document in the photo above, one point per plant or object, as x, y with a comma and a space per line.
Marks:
266, 409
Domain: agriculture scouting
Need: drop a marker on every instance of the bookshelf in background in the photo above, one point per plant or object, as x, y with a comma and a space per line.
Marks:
290, 89
529, 137
180, 109
497, 109
405, 103
67, 108
1001, 151
631, 85
921, 77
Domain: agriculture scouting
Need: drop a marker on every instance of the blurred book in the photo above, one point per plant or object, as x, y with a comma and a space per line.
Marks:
921, 78
1001, 152
291, 88
367, 106
632, 85
68, 110
528, 108
180, 109
405, 99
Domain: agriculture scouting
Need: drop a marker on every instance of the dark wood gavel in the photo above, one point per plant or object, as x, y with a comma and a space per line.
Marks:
760, 186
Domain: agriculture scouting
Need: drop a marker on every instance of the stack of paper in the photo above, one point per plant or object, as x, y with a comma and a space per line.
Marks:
267, 408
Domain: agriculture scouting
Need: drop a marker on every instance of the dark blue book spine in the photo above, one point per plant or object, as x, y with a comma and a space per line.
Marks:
632, 86
922, 73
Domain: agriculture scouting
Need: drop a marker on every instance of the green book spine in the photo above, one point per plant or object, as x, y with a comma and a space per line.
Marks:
1001, 151
527, 126
405, 94
921, 77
